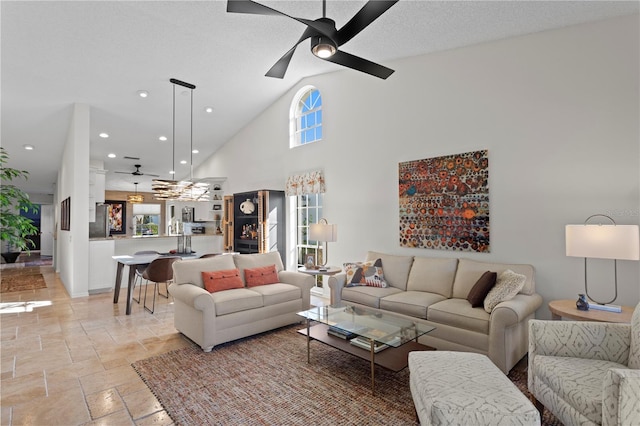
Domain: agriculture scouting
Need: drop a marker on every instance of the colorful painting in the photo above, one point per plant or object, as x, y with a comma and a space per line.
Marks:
117, 214
444, 202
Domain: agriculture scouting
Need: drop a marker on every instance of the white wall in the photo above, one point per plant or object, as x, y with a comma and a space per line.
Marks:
558, 112
72, 251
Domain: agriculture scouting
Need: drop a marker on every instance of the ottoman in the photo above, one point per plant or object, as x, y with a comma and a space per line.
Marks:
461, 388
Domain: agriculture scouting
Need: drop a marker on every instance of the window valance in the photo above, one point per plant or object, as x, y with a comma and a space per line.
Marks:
306, 183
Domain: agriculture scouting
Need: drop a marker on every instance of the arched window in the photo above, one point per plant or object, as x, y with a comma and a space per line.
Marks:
305, 117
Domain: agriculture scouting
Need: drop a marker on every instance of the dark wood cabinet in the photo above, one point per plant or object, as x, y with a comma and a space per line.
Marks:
254, 222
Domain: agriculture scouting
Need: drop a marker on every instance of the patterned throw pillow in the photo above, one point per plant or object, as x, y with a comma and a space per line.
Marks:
507, 286
221, 280
261, 276
365, 273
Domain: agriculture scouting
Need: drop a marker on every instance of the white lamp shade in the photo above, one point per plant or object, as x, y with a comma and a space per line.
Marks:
603, 241
326, 232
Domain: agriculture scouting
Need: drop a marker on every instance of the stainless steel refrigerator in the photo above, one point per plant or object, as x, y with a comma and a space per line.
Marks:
100, 228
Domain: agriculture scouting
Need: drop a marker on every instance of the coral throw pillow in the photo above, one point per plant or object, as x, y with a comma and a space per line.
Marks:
481, 288
221, 280
261, 276
365, 273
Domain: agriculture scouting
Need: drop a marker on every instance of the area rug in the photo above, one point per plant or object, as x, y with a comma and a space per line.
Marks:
266, 380
22, 282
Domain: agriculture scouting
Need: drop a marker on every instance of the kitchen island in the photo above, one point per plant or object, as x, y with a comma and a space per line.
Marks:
102, 268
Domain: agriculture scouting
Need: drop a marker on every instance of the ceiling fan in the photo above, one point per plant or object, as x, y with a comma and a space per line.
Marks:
325, 38
137, 172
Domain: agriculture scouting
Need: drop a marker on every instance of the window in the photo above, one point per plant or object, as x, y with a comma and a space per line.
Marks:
309, 211
306, 117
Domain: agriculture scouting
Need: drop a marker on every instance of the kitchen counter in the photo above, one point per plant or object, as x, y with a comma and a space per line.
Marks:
130, 237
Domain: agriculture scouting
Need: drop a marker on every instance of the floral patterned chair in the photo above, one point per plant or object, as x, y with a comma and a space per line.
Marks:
586, 373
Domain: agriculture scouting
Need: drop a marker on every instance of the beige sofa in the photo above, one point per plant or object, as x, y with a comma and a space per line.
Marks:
210, 319
435, 290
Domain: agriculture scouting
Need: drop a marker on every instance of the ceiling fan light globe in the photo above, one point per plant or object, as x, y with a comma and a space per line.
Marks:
323, 47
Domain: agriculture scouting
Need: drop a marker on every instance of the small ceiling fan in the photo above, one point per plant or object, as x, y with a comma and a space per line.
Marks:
137, 172
325, 38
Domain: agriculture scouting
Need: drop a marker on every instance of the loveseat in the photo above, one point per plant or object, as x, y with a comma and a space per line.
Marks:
237, 296
435, 290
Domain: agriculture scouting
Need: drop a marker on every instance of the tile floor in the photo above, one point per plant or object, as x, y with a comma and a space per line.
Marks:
68, 361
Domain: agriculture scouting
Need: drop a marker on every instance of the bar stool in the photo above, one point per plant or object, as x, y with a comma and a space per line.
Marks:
139, 270
158, 271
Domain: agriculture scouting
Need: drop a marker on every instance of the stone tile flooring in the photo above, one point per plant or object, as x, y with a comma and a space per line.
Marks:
68, 361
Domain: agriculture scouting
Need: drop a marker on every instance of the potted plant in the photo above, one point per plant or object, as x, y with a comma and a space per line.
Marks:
15, 229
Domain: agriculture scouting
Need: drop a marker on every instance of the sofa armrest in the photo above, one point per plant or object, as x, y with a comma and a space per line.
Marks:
621, 390
192, 295
304, 281
515, 310
580, 339
336, 283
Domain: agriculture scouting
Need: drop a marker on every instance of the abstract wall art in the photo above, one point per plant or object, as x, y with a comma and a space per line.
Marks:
444, 202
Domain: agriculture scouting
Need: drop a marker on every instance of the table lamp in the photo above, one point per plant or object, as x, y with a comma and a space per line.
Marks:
324, 232
598, 241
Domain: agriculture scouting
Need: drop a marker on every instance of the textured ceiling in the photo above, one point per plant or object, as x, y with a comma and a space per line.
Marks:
55, 54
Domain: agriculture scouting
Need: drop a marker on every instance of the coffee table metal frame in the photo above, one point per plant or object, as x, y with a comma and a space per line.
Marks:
400, 334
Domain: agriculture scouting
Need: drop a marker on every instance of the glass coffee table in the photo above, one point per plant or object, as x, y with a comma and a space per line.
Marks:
380, 337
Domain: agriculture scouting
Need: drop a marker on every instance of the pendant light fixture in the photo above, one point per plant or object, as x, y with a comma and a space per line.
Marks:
186, 190
135, 198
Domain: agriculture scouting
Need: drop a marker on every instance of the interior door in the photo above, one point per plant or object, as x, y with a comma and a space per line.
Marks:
46, 229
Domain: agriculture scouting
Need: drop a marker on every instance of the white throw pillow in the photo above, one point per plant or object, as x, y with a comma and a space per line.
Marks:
507, 286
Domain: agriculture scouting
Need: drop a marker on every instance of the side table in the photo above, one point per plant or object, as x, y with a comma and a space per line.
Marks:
327, 270
567, 309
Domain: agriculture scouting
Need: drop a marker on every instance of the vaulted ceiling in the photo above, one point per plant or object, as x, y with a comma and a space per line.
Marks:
102, 53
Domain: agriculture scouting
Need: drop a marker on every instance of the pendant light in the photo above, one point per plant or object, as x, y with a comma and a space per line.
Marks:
187, 190
135, 198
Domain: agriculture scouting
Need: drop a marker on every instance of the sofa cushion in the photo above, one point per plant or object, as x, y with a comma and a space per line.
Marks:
262, 275
412, 303
236, 300
469, 271
396, 268
190, 271
368, 296
221, 280
508, 284
250, 261
481, 288
577, 381
459, 313
278, 293
365, 273
432, 275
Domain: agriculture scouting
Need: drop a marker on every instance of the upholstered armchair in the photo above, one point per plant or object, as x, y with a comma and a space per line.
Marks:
586, 373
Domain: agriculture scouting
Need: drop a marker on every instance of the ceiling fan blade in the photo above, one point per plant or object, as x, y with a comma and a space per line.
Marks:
124, 173
251, 7
365, 16
279, 69
149, 174
359, 64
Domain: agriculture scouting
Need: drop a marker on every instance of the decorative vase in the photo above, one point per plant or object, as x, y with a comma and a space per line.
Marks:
582, 304
247, 207
11, 257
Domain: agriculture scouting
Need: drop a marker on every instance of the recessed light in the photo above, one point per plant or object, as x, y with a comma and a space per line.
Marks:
28, 147
163, 138
143, 93
208, 109
112, 155
183, 162
172, 172
195, 151
104, 135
